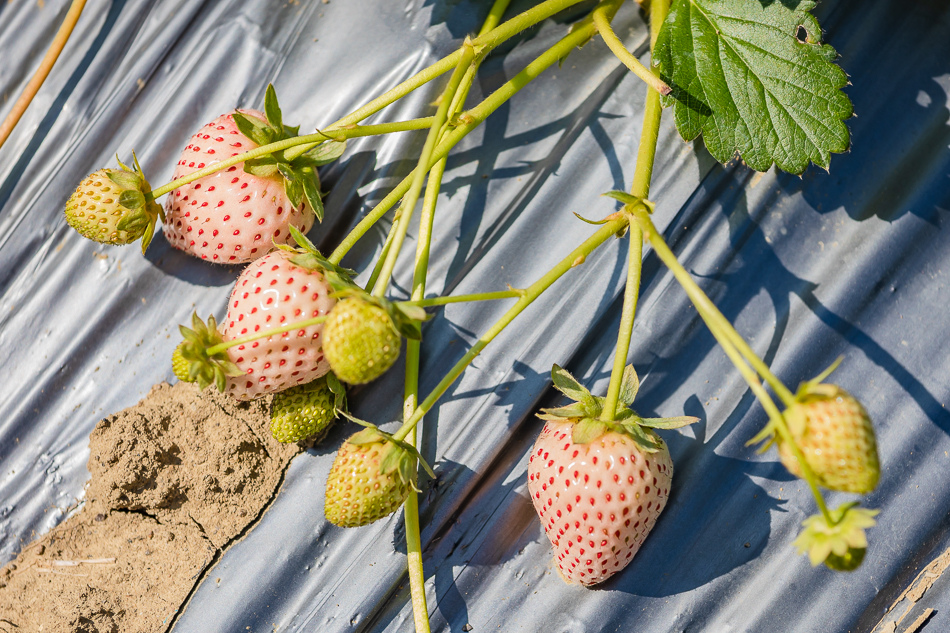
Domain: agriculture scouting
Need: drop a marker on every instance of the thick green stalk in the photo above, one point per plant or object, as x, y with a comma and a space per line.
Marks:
420, 611
488, 40
617, 48
308, 139
479, 296
718, 324
532, 292
727, 338
627, 316
470, 120
646, 156
415, 188
220, 347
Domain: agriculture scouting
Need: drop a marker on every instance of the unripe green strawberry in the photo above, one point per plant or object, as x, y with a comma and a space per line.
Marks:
849, 561
836, 437
360, 340
838, 540
111, 206
305, 410
180, 365
369, 480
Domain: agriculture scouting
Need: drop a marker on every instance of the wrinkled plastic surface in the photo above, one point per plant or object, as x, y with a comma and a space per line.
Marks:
851, 263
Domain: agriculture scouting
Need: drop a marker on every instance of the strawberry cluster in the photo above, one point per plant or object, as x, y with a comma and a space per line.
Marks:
297, 328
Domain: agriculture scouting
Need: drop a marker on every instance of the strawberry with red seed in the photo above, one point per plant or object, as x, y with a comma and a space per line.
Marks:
273, 292
598, 487
237, 214
285, 288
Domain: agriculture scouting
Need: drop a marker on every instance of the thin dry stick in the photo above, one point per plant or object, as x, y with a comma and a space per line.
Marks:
62, 36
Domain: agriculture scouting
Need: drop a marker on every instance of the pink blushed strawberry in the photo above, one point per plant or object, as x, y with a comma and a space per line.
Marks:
597, 501
231, 216
273, 292
237, 214
598, 486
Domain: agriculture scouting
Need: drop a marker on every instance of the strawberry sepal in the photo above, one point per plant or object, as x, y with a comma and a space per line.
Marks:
840, 544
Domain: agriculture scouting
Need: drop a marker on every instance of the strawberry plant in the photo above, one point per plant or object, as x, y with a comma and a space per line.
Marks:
754, 80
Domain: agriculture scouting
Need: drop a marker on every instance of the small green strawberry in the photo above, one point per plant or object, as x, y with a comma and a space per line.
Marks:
835, 435
362, 336
180, 365
307, 410
113, 206
840, 545
370, 478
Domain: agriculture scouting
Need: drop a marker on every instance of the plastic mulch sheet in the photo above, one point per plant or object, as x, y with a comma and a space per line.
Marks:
849, 263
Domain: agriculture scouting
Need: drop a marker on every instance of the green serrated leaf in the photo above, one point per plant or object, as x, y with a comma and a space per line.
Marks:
272, 109
742, 79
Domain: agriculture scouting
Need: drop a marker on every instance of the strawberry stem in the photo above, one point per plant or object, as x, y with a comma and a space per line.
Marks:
413, 347
330, 134
404, 214
616, 46
487, 40
480, 296
471, 119
728, 339
646, 156
220, 347
532, 292
718, 324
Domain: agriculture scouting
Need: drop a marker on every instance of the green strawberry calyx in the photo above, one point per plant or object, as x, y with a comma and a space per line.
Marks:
586, 411
307, 256
405, 318
841, 543
205, 368
399, 456
809, 391
297, 165
143, 211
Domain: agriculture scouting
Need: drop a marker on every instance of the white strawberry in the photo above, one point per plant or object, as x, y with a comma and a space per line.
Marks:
598, 487
237, 214
231, 216
272, 292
